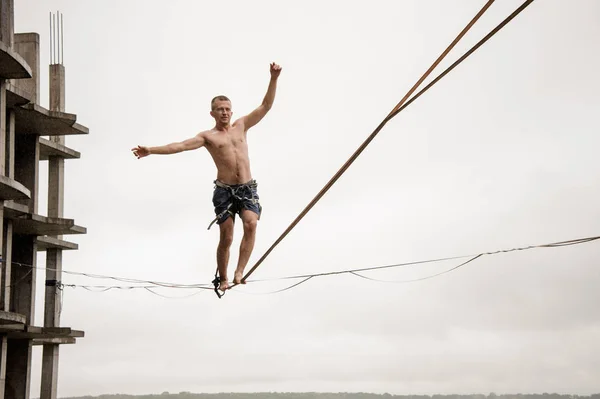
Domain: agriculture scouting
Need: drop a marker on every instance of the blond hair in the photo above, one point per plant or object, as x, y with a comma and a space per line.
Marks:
218, 98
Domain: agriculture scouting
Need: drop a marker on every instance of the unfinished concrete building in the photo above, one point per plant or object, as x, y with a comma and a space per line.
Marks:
25, 230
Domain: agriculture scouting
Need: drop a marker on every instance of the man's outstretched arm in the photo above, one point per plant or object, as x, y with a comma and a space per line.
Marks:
173, 148
255, 116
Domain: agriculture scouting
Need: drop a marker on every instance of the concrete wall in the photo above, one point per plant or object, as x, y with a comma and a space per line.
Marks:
7, 29
27, 45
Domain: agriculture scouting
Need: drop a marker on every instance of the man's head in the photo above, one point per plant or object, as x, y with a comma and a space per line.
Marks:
221, 110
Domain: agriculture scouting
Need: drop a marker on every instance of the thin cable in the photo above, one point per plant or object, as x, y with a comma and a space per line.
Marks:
355, 272
102, 288
551, 245
421, 278
362, 269
121, 279
464, 56
364, 145
473, 258
173, 297
443, 55
18, 282
208, 286
365, 277
277, 291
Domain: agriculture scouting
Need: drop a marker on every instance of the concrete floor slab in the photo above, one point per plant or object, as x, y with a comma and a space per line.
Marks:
26, 223
15, 96
11, 318
34, 119
12, 65
12, 190
50, 148
44, 243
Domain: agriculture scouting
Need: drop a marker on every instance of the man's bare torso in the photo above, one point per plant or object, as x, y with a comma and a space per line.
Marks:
229, 151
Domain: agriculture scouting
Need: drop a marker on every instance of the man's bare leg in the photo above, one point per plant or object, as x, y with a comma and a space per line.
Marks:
250, 220
225, 240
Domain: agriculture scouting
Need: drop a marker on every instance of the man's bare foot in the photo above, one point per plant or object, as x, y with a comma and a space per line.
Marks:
237, 279
224, 285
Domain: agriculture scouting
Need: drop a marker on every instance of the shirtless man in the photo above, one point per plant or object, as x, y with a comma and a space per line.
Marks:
235, 190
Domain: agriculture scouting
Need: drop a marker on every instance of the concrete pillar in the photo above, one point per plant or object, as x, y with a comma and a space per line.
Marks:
7, 27
52, 300
27, 159
27, 45
49, 383
18, 373
57, 88
6, 237
50, 355
22, 300
5, 265
7, 232
2, 126
3, 280
9, 154
56, 182
56, 176
56, 167
4, 285
3, 354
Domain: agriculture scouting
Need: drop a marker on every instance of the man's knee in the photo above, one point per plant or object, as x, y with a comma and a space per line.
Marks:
250, 224
226, 241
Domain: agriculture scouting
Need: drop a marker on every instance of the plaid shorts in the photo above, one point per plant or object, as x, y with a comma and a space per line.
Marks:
231, 199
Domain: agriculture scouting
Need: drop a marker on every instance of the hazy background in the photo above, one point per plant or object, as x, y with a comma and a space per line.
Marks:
502, 153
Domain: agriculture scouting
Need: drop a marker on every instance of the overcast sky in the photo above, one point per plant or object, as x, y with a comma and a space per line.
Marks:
502, 153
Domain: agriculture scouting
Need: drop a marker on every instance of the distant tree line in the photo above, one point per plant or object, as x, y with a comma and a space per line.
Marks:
317, 395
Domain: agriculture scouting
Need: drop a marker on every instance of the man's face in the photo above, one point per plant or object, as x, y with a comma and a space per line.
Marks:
222, 111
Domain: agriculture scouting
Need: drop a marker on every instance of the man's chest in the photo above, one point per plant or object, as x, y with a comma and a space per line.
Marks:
231, 138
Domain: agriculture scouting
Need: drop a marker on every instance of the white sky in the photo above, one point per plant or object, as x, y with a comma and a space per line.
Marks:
501, 153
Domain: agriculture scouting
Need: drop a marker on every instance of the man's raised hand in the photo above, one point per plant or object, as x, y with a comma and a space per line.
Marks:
275, 70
